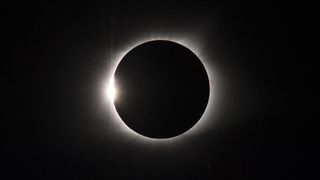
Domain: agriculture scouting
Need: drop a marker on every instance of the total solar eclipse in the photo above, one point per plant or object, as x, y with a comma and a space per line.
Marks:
162, 89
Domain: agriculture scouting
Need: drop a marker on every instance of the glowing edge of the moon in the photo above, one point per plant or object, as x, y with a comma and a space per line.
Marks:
200, 125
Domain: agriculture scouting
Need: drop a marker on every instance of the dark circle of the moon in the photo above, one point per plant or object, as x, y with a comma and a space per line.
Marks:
162, 89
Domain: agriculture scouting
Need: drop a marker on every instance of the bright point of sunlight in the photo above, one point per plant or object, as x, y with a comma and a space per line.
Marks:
112, 90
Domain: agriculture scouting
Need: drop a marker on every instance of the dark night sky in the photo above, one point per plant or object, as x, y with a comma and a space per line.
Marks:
58, 54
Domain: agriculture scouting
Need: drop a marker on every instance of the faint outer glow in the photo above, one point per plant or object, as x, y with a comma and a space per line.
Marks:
204, 121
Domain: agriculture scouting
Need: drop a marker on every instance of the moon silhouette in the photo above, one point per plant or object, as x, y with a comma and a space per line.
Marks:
162, 89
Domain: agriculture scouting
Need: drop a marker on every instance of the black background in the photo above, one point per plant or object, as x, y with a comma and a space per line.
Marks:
56, 58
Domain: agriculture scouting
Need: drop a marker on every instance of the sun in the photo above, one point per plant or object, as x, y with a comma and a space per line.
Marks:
111, 90
112, 93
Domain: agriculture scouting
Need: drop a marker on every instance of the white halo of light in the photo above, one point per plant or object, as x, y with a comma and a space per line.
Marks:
204, 121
